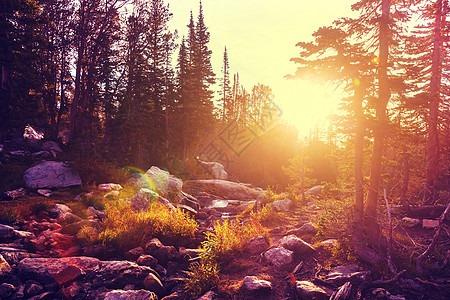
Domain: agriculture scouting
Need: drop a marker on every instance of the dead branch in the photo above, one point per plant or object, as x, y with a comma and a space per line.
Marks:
434, 241
389, 281
391, 265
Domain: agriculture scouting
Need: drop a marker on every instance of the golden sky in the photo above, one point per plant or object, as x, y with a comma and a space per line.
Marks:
260, 36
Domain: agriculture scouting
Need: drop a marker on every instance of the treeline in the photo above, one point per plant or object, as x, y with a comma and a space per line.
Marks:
104, 71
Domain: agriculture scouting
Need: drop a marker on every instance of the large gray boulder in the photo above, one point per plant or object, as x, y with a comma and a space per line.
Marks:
279, 257
51, 174
308, 290
222, 189
297, 245
162, 182
252, 283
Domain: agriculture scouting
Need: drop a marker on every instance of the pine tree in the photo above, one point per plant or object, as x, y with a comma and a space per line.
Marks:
226, 88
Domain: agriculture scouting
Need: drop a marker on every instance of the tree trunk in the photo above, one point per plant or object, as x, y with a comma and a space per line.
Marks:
383, 99
359, 156
429, 196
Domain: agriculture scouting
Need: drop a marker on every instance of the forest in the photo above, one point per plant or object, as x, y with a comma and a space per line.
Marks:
121, 92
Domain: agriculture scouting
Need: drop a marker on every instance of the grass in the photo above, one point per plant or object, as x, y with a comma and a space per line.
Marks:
8, 215
124, 228
228, 238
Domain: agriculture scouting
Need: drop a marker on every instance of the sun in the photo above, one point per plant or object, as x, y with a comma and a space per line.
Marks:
307, 105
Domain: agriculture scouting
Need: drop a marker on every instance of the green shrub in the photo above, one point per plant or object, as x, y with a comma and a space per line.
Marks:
8, 215
203, 276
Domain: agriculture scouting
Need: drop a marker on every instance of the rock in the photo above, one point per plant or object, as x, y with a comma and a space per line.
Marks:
279, 256
190, 201
410, 222
110, 187
52, 270
51, 174
20, 153
130, 295
7, 290
430, 224
308, 290
214, 170
15, 194
31, 134
58, 210
94, 213
51, 146
45, 192
117, 274
33, 288
188, 210
152, 283
74, 228
329, 243
208, 296
41, 154
5, 268
6, 232
297, 245
68, 218
222, 189
341, 274
153, 245
344, 292
143, 198
308, 228
162, 182
397, 297
134, 253
314, 191
164, 254
282, 205
251, 283
147, 260
112, 195
257, 244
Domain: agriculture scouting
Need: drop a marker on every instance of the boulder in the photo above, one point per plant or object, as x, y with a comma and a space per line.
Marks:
51, 146
142, 199
341, 274
307, 228
45, 192
147, 260
297, 245
208, 296
152, 283
118, 274
279, 256
134, 253
257, 244
282, 205
51, 174
110, 187
214, 170
162, 182
112, 195
222, 189
308, 290
410, 222
251, 283
130, 295
6, 232
7, 290
15, 194
314, 191
430, 224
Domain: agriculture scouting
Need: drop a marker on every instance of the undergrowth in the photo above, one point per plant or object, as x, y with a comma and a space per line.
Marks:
125, 228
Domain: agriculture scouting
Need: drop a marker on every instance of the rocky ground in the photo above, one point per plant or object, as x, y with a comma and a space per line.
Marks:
41, 258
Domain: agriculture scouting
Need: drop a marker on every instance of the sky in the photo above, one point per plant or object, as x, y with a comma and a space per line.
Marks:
260, 36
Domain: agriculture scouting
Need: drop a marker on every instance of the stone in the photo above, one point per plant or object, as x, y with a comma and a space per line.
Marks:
329, 243
257, 245
410, 222
279, 256
308, 290
152, 283
153, 245
68, 218
143, 198
134, 253
110, 187
308, 228
118, 274
297, 245
213, 170
15, 194
5, 268
7, 290
68, 275
147, 260
31, 134
187, 209
41, 154
74, 228
164, 254
162, 182
130, 295
112, 195
208, 296
314, 191
33, 288
6, 232
251, 283
221, 189
51, 146
45, 192
430, 224
341, 274
51, 174
282, 205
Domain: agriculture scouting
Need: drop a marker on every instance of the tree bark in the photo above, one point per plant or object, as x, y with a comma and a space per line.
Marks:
429, 196
359, 156
383, 99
